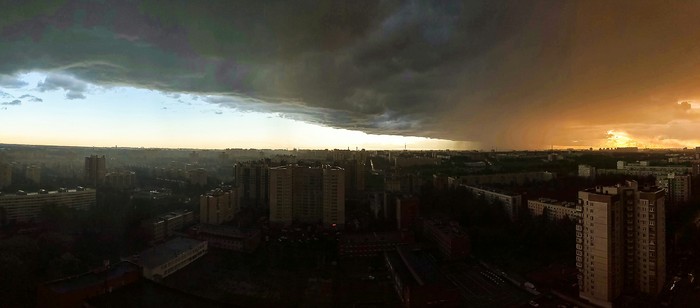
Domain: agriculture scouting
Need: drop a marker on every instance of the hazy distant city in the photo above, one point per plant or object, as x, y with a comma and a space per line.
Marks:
118, 227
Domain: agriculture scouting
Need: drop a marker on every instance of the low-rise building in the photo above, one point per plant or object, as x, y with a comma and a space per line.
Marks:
372, 244
511, 202
161, 261
227, 237
418, 281
586, 171
26, 207
165, 225
451, 240
72, 291
506, 178
553, 209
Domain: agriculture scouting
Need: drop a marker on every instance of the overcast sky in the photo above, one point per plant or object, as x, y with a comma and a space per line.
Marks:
327, 74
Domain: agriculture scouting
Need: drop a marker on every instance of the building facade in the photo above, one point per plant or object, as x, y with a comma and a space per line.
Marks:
218, 206
33, 173
553, 209
165, 225
26, 207
407, 212
121, 179
586, 171
510, 202
449, 238
163, 260
227, 237
677, 187
307, 195
71, 291
620, 242
252, 178
5, 174
95, 170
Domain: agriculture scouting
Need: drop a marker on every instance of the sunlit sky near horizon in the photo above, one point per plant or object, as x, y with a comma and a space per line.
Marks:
132, 117
479, 75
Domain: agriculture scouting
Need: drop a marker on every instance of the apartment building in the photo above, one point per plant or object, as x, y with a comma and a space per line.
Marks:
165, 225
620, 242
553, 209
218, 205
511, 202
163, 260
308, 195
26, 207
677, 187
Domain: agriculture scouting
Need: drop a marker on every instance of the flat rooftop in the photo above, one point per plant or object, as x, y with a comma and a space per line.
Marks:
69, 284
224, 230
160, 254
375, 237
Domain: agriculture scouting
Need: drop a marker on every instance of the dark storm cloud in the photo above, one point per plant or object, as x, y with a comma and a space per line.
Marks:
7, 81
503, 73
75, 88
13, 103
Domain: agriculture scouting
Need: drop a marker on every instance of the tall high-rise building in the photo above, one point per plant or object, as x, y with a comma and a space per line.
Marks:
620, 242
95, 170
677, 187
5, 175
33, 173
354, 175
253, 180
307, 194
218, 206
407, 208
333, 197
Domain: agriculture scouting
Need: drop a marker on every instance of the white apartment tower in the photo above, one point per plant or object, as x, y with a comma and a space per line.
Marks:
620, 242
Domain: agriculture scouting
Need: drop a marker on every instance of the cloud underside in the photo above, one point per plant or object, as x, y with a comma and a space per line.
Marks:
500, 73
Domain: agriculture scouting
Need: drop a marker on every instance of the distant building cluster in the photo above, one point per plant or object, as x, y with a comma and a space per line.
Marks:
644, 168
506, 178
